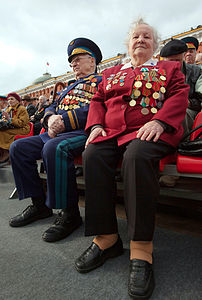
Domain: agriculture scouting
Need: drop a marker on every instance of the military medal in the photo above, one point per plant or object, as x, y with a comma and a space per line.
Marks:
108, 87
148, 85
154, 110
146, 100
155, 95
137, 93
132, 102
138, 84
162, 77
162, 89
144, 111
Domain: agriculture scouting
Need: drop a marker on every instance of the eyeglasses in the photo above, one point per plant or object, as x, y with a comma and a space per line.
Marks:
77, 60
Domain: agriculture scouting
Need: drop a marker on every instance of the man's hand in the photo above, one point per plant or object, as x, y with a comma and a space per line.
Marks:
55, 125
150, 130
96, 132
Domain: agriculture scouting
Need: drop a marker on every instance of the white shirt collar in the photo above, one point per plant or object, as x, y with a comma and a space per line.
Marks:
150, 62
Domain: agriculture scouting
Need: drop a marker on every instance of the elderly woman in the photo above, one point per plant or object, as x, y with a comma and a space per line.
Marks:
16, 121
135, 115
36, 118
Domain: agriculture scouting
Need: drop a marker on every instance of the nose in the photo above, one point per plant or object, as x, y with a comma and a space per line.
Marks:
140, 39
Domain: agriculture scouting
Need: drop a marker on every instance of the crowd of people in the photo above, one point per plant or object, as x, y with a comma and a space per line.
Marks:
136, 112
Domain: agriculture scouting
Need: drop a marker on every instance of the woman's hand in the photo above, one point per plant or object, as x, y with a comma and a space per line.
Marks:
150, 130
96, 132
55, 125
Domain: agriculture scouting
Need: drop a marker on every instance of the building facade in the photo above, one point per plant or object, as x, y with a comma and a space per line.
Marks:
44, 85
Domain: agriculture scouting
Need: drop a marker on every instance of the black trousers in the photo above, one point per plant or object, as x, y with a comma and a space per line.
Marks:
141, 187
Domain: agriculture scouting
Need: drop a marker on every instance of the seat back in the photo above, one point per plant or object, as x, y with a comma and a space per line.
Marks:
197, 121
26, 135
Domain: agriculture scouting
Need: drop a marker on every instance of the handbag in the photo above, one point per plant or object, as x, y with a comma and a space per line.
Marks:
191, 148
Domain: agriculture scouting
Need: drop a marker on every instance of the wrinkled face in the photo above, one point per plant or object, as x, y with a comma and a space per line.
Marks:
82, 65
141, 43
12, 101
190, 56
176, 57
41, 99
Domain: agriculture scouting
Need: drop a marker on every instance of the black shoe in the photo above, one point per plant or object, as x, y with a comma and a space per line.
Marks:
79, 171
62, 227
29, 215
141, 279
94, 257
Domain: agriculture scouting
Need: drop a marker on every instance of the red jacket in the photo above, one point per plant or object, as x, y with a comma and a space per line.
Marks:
111, 106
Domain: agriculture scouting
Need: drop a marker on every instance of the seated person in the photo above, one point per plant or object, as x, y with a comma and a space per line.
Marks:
192, 47
175, 51
65, 121
135, 115
27, 102
38, 115
15, 120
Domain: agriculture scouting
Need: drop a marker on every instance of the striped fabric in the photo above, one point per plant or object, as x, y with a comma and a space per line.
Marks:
65, 180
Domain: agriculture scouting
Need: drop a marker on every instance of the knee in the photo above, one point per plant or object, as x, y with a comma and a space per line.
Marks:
48, 150
89, 153
15, 147
136, 152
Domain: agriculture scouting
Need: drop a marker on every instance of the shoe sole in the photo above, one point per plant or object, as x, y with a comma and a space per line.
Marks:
49, 240
120, 252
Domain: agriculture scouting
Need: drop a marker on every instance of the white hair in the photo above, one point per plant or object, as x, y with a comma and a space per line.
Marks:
138, 22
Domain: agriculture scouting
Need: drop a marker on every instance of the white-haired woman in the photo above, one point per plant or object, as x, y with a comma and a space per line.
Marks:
135, 115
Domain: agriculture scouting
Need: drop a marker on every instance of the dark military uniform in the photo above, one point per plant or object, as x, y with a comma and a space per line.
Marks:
73, 105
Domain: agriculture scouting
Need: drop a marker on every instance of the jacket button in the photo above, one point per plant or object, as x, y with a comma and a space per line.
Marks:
122, 106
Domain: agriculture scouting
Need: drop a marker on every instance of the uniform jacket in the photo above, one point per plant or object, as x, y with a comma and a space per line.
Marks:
193, 76
39, 114
73, 104
127, 98
20, 120
31, 109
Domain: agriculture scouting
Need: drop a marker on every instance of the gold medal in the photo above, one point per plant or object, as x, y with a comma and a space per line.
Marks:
138, 84
148, 85
162, 89
137, 93
132, 102
155, 95
144, 111
154, 110
62, 107
146, 100
70, 106
66, 107
162, 77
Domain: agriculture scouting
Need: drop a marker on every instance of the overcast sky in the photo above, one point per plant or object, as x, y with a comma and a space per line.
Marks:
34, 32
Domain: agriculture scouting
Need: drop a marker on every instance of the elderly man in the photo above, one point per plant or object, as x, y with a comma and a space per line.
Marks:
192, 45
65, 120
176, 50
27, 102
37, 117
